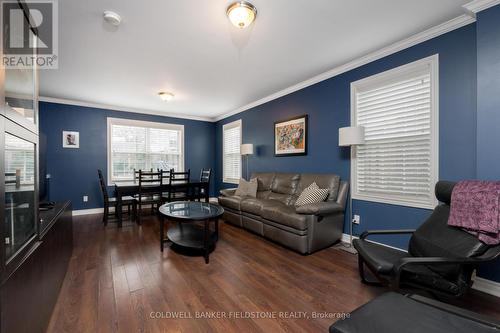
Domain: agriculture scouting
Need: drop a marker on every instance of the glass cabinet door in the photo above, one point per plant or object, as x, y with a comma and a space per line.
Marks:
20, 195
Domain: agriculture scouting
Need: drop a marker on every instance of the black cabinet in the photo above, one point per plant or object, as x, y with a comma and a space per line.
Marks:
29, 294
33, 255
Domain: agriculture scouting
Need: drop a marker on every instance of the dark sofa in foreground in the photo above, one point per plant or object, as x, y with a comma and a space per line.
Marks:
272, 213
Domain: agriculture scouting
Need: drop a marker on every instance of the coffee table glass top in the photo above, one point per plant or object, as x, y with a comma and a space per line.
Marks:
191, 210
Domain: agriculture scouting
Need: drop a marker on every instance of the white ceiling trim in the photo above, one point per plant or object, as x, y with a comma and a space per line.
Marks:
120, 108
478, 5
441, 29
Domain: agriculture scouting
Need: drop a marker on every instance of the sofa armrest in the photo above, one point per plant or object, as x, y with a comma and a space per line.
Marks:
320, 208
228, 192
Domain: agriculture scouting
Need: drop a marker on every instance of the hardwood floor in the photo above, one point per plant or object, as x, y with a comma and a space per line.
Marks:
119, 281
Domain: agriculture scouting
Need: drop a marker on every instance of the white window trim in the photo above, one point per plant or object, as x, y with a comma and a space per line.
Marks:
140, 123
236, 123
390, 75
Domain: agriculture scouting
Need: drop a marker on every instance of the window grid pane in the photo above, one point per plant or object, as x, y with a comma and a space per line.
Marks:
143, 148
231, 154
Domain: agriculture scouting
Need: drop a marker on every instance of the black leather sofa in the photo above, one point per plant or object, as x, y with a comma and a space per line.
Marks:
272, 213
395, 313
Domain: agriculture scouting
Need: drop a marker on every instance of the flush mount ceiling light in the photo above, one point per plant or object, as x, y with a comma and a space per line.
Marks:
166, 96
112, 18
241, 14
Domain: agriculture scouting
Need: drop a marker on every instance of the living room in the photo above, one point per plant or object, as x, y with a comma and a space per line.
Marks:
260, 166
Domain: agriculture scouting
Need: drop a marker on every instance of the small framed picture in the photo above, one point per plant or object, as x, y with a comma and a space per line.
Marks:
71, 139
290, 137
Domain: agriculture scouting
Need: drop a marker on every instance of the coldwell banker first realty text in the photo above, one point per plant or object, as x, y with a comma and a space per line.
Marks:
29, 41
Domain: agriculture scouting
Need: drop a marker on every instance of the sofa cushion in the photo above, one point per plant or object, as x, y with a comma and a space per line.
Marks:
247, 188
329, 181
254, 205
251, 205
233, 202
264, 180
312, 194
263, 194
283, 214
284, 187
285, 183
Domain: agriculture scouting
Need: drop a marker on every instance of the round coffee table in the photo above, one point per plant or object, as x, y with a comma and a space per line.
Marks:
191, 235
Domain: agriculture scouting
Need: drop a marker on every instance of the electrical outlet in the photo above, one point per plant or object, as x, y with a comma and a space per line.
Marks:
85, 198
356, 219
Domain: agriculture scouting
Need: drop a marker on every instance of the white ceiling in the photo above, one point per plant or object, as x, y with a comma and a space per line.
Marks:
190, 48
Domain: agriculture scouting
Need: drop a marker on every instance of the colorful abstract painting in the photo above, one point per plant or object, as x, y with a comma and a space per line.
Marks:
290, 137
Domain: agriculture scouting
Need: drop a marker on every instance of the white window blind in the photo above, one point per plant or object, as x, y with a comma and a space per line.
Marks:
143, 146
398, 163
231, 152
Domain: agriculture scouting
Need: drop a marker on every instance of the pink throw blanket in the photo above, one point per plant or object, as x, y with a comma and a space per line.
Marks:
475, 207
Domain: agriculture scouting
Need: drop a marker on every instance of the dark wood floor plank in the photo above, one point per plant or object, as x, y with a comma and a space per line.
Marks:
119, 281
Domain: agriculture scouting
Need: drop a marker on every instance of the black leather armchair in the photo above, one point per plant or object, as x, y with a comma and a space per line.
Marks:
440, 258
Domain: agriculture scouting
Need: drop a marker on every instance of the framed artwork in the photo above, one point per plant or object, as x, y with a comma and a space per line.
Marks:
290, 137
71, 139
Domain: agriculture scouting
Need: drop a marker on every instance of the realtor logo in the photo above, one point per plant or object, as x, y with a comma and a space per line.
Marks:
29, 35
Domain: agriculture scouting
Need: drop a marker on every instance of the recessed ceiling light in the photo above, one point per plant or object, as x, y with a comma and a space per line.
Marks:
241, 14
112, 18
166, 96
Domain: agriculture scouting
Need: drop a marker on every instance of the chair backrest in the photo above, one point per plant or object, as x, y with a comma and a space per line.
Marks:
150, 183
205, 175
177, 177
165, 175
435, 238
102, 185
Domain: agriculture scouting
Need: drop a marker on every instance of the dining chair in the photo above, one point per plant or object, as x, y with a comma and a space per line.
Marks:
150, 189
128, 201
176, 190
199, 191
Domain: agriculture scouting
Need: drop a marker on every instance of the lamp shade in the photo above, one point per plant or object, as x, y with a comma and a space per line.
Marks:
246, 149
351, 136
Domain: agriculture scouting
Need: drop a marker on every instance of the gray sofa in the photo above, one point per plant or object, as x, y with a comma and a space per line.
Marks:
272, 213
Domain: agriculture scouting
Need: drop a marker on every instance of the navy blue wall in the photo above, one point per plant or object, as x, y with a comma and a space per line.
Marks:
328, 105
74, 171
488, 104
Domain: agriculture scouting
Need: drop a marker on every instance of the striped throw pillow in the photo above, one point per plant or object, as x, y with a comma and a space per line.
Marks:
312, 194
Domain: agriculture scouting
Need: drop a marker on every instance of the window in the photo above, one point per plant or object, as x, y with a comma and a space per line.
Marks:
231, 159
398, 164
143, 145
19, 159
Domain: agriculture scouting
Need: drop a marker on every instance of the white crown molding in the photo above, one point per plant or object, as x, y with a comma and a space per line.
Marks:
441, 29
120, 108
478, 5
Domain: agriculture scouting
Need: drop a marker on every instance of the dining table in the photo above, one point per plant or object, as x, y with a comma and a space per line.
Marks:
195, 190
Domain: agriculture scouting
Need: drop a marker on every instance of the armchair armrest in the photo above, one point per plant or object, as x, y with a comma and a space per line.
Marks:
489, 255
386, 232
228, 192
320, 208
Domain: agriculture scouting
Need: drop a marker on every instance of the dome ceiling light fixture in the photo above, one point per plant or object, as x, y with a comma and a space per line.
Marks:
112, 18
166, 96
241, 14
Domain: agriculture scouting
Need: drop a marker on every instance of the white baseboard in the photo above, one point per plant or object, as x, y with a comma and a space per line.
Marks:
486, 286
88, 211
346, 239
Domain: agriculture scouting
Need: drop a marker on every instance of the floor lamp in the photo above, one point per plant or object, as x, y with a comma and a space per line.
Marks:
350, 137
246, 150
